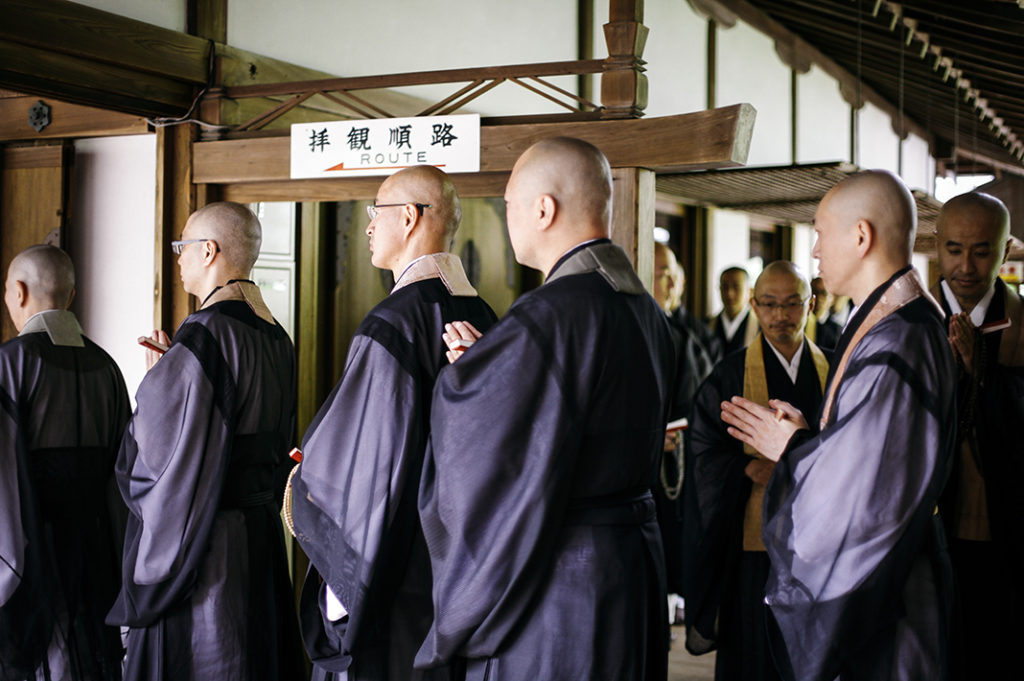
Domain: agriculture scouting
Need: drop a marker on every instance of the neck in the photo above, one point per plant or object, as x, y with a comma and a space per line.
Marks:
873, 275
732, 314
787, 350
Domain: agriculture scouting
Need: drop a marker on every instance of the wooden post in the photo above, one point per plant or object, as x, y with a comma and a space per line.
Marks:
633, 218
623, 83
175, 201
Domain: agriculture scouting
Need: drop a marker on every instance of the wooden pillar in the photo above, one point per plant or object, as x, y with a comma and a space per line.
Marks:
623, 82
633, 218
175, 201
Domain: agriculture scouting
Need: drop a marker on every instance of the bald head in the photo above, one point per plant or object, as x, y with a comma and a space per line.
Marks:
574, 172
47, 273
234, 227
865, 226
559, 195
882, 199
427, 184
972, 241
782, 271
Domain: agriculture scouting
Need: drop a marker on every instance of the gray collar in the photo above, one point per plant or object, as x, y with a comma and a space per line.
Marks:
608, 260
60, 325
444, 266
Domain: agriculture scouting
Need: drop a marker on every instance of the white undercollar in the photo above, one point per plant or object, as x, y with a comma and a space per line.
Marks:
979, 311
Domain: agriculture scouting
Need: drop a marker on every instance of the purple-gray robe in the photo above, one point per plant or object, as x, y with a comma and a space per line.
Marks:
202, 466
64, 408
535, 502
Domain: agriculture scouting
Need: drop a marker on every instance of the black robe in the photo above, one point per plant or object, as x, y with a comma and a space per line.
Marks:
535, 500
354, 496
859, 583
705, 336
692, 367
724, 588
202, 467
64, 411
739, 339
988, 617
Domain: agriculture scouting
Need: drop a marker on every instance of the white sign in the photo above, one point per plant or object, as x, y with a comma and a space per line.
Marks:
384, 146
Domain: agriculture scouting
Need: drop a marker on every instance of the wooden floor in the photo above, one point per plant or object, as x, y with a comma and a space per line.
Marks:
685, 667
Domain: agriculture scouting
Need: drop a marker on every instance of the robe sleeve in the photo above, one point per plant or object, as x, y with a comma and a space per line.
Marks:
362, 457
12, 536
849, 510
170, 471
496, 484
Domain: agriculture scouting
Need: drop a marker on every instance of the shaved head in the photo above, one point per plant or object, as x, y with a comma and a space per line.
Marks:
47, 273
865, 227
234, 227
972, 241
780, 270
574, 172
427, 184
558, 196
880, 198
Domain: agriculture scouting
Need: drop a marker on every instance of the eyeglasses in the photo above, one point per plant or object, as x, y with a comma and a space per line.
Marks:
791, 306
373, 211
178, 246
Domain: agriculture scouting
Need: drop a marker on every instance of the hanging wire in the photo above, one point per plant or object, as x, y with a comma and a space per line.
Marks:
855, 132
902, 131
956, 131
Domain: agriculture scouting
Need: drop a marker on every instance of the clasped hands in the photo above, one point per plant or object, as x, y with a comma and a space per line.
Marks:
766, 429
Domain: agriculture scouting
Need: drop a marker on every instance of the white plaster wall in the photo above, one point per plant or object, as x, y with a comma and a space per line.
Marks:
803, 244
366, 37
111, 242
822, 119
730, 245
165, 13
749, 70
918, 165
676, 56
878, 144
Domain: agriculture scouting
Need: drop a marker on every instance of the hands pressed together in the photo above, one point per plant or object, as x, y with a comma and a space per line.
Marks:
768, 430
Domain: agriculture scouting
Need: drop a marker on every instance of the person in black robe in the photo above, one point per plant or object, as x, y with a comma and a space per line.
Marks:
822, 329
545, 441
64, 411
859, 586
725, 481
692, 366
202, 467
734, 327
366, 604
982, 505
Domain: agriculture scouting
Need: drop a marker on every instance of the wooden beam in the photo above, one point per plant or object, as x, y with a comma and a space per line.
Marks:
176, 198
478, 185
66, 120
623, 83
705, 139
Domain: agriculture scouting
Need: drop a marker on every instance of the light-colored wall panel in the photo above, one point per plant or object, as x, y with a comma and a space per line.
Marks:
676, 56
367, 37
823, 119
878, 144
111, 232
750, 71
918, 165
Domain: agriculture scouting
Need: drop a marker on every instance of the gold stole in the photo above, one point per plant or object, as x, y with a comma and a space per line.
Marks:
755, 389
811, 328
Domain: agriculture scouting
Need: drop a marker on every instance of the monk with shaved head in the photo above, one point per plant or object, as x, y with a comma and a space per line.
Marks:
366, 604
982, 504
205, 590
545, 443
64, 411
858, 585
725, 480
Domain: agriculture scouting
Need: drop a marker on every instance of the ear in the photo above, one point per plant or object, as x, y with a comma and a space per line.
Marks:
865, 235
70, 298
546, 207
1006, 251
410, 217
20, 293
209, 252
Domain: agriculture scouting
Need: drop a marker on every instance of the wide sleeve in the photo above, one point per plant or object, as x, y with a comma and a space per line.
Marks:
496, 485
12, 535
354, 494
849, 510
170, 471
